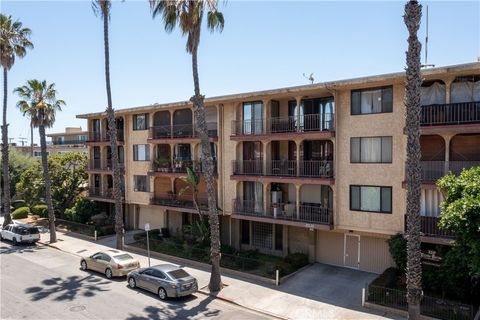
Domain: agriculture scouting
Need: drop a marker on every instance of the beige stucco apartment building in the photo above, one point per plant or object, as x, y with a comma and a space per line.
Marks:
318, 169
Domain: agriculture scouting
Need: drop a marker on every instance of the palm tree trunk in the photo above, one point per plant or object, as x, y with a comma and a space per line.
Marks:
112, 132
6, 169
413, 13
46, 177
201, 127
31, 138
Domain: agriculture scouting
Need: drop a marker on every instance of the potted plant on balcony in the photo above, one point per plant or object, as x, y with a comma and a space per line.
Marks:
161, 164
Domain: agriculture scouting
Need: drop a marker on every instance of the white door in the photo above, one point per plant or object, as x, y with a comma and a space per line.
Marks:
351, 256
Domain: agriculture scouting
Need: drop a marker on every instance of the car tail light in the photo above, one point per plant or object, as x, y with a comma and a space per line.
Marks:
119, 266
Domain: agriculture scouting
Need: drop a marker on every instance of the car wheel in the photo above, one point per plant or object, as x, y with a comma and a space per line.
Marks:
108, 273
14, 240
83, 265
131, 283
162, 294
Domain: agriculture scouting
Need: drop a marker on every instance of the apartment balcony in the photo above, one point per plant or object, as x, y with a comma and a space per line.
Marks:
182, 202
105, 194
179, 167
310, 216
98, 138
440, 117
434, 170
431, 233
180, 131
68, 142
314, 170
97, 165
315, 125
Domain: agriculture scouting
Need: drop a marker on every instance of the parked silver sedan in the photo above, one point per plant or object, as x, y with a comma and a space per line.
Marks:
166, 280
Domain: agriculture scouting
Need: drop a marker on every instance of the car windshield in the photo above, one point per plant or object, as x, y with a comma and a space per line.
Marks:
178, 274
123, 257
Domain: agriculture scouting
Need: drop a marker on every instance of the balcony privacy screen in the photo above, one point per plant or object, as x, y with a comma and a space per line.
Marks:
434, 94
467, 91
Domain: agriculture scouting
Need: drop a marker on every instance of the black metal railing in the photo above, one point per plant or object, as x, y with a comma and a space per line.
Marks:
68, 142
433, 170
308, 213
180, 131
450, 113
316, 168
429, 306
429, 227
303, 123
180, 201
248, 167
285, 168
98, 137
180, 166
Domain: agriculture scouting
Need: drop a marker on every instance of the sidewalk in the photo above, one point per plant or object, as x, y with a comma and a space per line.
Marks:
268, 299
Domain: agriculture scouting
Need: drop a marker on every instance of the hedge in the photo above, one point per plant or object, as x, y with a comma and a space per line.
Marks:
20, 213
40, 210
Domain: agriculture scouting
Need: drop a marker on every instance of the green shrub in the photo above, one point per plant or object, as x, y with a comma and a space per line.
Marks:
225, 248
18, 204
20, 213
397, 246
105, 230
81, 211
297, 260
40, 210
283, 267
165, 232
139, 236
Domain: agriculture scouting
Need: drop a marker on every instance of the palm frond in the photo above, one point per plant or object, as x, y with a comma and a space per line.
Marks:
14, 41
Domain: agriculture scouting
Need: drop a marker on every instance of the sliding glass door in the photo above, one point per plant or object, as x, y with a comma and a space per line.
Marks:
253, 117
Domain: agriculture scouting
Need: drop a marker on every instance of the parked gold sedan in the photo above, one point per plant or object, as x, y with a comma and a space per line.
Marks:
113, 263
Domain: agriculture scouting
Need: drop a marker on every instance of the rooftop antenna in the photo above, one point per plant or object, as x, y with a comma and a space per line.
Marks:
22, 140
426, 65
309, 78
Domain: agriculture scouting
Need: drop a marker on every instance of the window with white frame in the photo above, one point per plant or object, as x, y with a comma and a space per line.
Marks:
371, 150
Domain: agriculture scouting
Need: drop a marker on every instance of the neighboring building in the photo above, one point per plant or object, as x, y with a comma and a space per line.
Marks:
318, 169
72, 140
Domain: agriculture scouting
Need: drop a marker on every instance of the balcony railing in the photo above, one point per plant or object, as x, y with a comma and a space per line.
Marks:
67, 142
450, 114
248, 167
180, 131
97, 164
181, 166
433, 170
179, 201
106, 193
292, 124
308, 213
284, 168
429, 228
98, 137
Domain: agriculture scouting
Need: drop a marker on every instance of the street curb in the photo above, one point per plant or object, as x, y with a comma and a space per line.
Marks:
273, 315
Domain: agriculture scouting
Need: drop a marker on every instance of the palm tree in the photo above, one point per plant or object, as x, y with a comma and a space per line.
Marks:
413, 14
14, 42
40, 103
192, 179
102, 8
188, 14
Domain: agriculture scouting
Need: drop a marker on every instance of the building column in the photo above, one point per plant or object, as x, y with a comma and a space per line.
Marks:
266, 197
297, 112
171, 122
193, 121
265, 115
265, 157
312, 240
298, 144
297, 199
447, 139
448, 84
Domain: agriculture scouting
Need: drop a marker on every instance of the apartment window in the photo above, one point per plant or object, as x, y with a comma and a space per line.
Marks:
140, 121
252, 117
369, 101
262, 235
141, 152
140, 184
371, 150
278, 237
371, 199
245, 236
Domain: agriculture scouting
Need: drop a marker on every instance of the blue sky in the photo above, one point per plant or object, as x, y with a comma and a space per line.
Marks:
264, 45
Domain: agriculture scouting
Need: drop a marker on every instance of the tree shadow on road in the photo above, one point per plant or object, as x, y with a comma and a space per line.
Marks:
178, 309
67, 289
21, 248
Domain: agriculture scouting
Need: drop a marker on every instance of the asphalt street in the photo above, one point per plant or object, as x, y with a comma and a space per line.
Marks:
39, 282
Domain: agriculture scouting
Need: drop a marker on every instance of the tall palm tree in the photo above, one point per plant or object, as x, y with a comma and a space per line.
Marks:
188, 14
14, 42
102, 8
40, 103
413, 14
